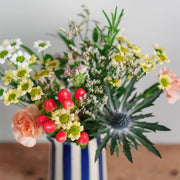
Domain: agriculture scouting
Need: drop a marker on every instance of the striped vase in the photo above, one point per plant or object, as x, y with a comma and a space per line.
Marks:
70, 162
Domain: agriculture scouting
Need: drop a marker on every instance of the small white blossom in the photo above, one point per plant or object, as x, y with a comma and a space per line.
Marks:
41, 45
20, 59
5, 52
15, 44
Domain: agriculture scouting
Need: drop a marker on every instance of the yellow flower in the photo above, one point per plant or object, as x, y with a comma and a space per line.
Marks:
25, 86
44, 73
5, 42
9, 76
119, 57
32, 59
23, 72
40, 62
164, 82
160, 54
74, 130
121, 38
62, 118
36, 93
130, 76
114, 82
122, 48
11, 96
52, 64
41, 74
148, 66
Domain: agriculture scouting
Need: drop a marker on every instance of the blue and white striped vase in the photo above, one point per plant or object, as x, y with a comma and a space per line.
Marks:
70, 162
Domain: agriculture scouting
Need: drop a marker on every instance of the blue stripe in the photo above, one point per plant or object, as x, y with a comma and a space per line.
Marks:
100, 160
66, 161
53, 152
85, 163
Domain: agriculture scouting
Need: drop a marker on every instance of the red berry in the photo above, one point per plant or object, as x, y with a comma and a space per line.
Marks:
63, 95
61, 136
41, 119
50, 105
84, 138
68, 104
79, 93
49, 126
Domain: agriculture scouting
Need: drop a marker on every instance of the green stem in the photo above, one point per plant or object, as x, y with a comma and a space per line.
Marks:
34, 69
87, 28
43, 56
2, 69
22, 104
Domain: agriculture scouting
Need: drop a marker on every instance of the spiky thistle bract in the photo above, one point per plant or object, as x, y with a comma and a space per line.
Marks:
120, 121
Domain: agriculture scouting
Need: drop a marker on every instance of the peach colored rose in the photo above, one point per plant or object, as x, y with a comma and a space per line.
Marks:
172, 93
25, 129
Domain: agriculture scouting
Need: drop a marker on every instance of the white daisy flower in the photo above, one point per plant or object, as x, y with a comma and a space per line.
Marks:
41, 45
5, 52
15, 43
2, 91
21, 59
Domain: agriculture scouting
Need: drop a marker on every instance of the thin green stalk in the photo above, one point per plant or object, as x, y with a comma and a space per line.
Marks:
87, 28
43, 56
34, 69
2, 69
22, 104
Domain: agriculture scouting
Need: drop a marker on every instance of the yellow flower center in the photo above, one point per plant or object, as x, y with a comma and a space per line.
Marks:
13, 44
74, 130
20, 59
42, 44
35, 92
164, 81
3, 53
25, 86
12, 97
64, 118
21, 73
118, 58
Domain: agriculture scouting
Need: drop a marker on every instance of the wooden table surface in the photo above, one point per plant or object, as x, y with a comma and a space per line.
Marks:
21, 163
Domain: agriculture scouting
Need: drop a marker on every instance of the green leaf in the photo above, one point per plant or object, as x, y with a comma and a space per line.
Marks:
107, 18
67, 41
101, 146
126, 149
141, 116
113, 145
59, 72
146, 102
133, 140
114, 16
119, 18
144, 141
48, 56
117, 150
127, 93
110, 95
29, 51
95, 35
150, 91
101, 32
151, 126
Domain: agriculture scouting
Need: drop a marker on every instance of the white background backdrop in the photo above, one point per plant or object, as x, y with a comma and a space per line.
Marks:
145, 23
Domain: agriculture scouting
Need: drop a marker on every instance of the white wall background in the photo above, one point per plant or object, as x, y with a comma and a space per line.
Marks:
145, 23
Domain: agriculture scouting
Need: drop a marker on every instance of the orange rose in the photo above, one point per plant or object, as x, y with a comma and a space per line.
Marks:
25, 129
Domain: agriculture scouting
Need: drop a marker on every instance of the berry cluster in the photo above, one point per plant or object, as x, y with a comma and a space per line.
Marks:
65, 103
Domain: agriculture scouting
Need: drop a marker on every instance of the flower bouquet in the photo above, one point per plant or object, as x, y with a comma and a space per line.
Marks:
86, 92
